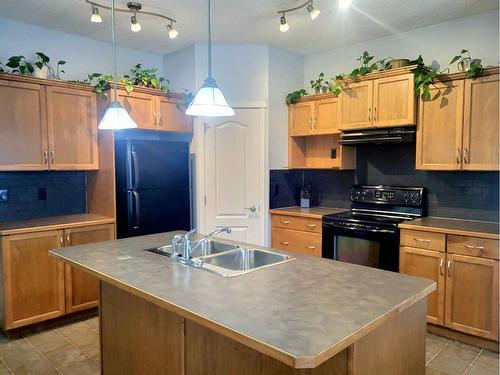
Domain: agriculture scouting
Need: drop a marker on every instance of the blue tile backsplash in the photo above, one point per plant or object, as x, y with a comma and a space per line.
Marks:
42, 194
462, 195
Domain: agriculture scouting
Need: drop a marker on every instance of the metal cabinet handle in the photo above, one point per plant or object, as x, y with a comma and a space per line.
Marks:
441, 264
45, 156
68, 240
61, 241
160, 120
251, 208
374, 113
369, 113
466, 156
459, 156
310, 247
311, 225
421, 240
285, 221
311, 123
52, 156
155, 121
285, 243
449, 268
314, 123
474, 247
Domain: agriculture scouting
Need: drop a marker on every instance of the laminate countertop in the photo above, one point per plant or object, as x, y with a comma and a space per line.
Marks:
52, 223
482, 229
301, 312
312, 212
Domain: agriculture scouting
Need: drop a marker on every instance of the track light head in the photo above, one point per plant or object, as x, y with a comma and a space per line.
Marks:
284, 26
134, 25
313, 12
344, 4
96, 17
172, 32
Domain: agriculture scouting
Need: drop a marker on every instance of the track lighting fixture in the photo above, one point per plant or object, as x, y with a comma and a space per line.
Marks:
344, 4
283, 24
313, 13
172, 32
96, 17
134, 25
135, 8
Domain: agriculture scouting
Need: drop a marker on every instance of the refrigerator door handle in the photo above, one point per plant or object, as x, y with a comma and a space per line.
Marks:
135, 170
137, 211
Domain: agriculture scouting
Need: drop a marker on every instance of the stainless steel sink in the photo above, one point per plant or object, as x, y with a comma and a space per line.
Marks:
239, 261
204, 249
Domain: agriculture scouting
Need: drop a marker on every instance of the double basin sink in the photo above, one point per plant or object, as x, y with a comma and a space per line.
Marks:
227, 259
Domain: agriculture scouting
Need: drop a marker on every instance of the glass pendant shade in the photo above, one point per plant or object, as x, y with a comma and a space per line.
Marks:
209, 101
116, 117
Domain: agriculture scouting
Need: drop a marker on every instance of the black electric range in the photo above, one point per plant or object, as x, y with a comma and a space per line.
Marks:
368, 234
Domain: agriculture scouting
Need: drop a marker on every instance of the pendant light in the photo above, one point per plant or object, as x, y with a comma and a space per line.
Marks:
115, 116
209, 100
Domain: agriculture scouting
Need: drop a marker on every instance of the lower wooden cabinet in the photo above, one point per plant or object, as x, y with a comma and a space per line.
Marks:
33, 281
431, 265
37, 287
82, 289
296, 234
472, 295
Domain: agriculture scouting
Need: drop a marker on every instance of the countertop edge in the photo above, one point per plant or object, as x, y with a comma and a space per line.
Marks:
278, 354
287, 211
445, 230
41, 228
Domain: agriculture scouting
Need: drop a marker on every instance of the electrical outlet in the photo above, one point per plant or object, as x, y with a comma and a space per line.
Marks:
4, 195
333, 153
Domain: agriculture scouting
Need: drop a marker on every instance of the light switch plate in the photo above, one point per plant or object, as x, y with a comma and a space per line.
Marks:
4, 195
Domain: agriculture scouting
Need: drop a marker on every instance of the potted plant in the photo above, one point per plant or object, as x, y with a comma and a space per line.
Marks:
471, 67
41, 66
319, 85
19, 64
294, 96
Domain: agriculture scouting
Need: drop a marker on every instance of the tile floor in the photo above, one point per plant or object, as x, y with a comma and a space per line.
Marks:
73, 349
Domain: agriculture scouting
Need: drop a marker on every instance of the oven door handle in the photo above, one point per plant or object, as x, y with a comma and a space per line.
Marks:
389, 231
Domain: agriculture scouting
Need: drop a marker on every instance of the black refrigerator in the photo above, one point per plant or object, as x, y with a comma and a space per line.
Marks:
152, 186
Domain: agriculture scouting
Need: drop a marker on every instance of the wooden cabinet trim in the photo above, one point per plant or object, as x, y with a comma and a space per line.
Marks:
365, 112
306, 243
330, 125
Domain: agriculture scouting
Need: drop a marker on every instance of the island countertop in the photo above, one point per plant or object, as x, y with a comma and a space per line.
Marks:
300, 312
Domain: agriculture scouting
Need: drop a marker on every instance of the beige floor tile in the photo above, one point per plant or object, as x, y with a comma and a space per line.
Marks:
4, 370
454, 358
83, 367
433, 344
84, 337
22, 358
486, 364
56, 348
93, 323
429, 371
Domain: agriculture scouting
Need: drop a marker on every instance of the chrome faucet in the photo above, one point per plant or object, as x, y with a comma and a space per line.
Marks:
188, 246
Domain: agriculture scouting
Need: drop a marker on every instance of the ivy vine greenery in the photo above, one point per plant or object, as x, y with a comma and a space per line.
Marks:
20, 64
319, 83
475, 68
294, 96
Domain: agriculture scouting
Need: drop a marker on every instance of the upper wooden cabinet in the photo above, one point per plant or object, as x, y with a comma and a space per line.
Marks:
458, 128
382, 102
47, 125
154, 111
315, 115
72, 125
23, 126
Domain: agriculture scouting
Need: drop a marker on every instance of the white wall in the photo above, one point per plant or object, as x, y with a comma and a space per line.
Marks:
180, 68
83, 55
479, 34
286, 74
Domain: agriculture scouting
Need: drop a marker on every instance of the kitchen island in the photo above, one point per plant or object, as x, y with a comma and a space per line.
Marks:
304, 316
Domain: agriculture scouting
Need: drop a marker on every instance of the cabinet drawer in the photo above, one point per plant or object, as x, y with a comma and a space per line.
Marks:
298, 223
297, 241
473, 246
423, 240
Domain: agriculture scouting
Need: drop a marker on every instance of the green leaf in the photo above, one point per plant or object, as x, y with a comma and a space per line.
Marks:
30, 67
61, 62
39, 65
45, 59
363, 70
455, 59
464, 51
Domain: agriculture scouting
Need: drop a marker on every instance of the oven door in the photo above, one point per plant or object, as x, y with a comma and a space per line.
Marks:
373, 247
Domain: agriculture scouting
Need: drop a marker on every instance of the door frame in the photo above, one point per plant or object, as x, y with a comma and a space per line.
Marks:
198, 148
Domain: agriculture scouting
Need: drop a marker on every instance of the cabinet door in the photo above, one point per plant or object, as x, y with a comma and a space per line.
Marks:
356, 106
171, 118
33, 280
472, 295
82, 289
481, 124
394, 101
439, 130
326, 116
428, 264
300, 118
23, 127
72, 124
141, 107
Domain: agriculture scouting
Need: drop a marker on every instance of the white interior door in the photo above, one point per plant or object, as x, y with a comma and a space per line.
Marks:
234, 174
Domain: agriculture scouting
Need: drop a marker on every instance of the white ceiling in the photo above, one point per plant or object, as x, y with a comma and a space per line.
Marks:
247, 21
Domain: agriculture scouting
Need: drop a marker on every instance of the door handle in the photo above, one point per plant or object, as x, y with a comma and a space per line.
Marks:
61, 241
369, 113
311, 226
421, 240
310, 247
155, 122
285, 243
311, 123
251, 208
374, 113
474, 247
52, 156
466, 156
137, 214
45, 156
285, 221
68, 240
441, 264
459, 156
135, 170
449, 268
160, 120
